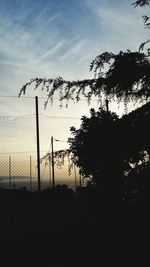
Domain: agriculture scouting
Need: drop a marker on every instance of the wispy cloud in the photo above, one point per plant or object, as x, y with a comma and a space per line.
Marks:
120, 25
45, 39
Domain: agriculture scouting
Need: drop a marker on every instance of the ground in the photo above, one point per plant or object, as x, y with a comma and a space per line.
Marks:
43, 216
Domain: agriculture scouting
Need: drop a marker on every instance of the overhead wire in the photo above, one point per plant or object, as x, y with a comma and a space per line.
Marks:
29, 115
20, 152
39, 97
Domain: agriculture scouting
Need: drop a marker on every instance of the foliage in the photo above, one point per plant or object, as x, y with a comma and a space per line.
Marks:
128, 77
141, 3
59, 158
146, 19
105, 147
92, 142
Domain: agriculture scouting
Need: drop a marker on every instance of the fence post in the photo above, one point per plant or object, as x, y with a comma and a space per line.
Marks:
38, 143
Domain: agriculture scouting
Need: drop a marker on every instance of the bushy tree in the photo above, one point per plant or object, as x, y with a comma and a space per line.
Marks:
105, 147
93, 144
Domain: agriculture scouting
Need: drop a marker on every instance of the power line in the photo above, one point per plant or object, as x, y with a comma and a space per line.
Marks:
17, 116
20, 152
28, 97
29, 115
59, 117
14, 96
33, 97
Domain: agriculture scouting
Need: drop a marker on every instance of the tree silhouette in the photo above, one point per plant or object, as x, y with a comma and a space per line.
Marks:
108, 149
128, 77
96, 150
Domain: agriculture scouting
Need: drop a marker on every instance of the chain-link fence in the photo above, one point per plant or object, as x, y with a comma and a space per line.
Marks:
18, 155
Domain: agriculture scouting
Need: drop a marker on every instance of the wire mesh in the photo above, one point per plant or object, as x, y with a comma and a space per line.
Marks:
18, 156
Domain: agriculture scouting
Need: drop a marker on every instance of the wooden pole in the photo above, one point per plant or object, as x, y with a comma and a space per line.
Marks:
9, 172
53, 173
38, 144
49, 161
30, 173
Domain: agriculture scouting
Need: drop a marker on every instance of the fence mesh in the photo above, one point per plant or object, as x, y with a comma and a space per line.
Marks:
18, 156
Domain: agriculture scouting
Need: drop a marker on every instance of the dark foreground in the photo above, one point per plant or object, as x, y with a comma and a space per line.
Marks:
45, 216
49, 215
55, 225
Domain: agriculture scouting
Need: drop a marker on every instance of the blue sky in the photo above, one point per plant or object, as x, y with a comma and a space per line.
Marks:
50, 38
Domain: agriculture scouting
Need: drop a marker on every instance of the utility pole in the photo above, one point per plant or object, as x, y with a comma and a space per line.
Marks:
49, 161
9, 173
53, 174
38, 144
30, 173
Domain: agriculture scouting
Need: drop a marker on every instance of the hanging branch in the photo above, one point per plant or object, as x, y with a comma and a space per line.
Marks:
59, 158
141, 3
125, 75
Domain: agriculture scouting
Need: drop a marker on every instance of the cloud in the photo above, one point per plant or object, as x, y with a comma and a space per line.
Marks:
119, 24
61, 40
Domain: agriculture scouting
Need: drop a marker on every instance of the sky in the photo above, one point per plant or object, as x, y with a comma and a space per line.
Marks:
51, 38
